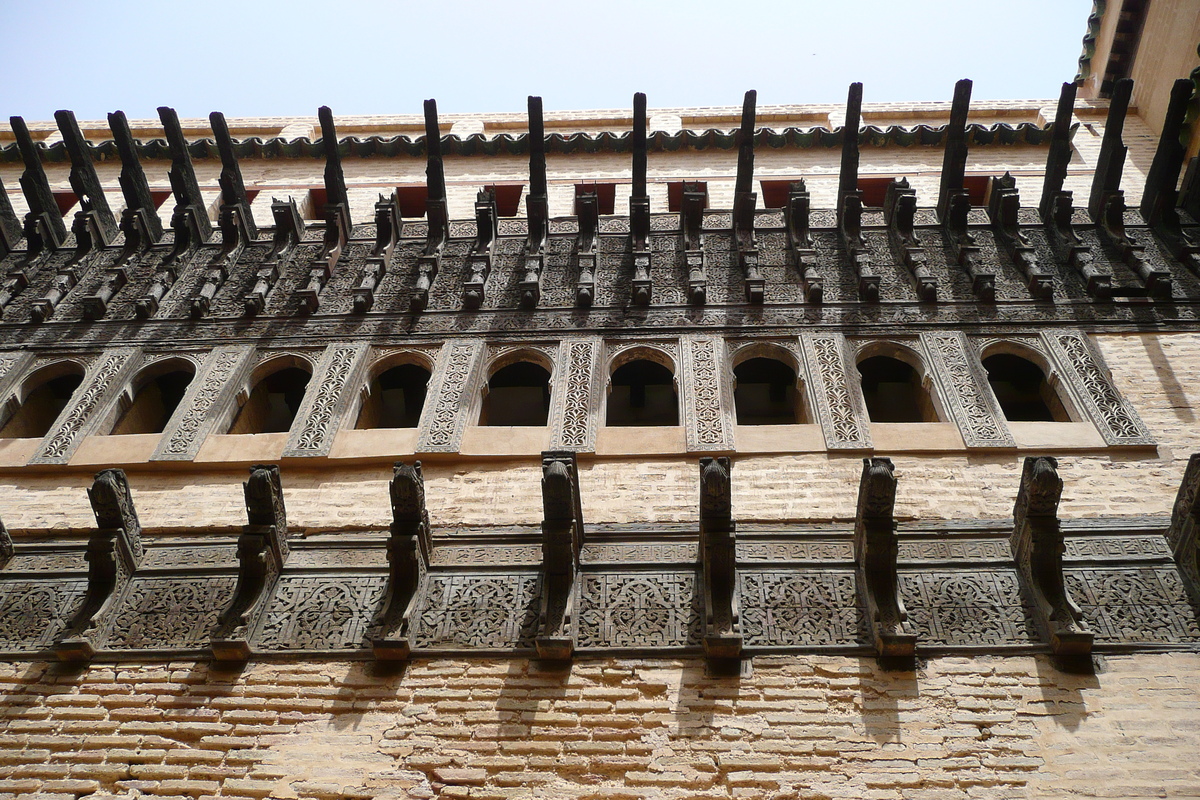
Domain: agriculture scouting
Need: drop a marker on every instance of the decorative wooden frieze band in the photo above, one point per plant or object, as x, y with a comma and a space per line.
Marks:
213, 387
106, 376
449, 402
839, 402
964, 388
1091, 381
317, 419
575, 401
706, 395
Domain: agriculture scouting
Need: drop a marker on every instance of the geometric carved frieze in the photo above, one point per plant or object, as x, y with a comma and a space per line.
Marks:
1089, 376
707, 393
798, 607
169, 612
495, 611
775, 551
34, 612
450, 400
943, 549
576, 395
687, 552
964, 387
106, 375
642, 610
217, 380
1135, 605
321, 612
835, 384
30, 560
338, 558
326, 400
1113, 548
192, 556
974, 607
447, 555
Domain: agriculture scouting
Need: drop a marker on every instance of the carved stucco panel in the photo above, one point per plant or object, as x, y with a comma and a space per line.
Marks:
835, 386
451, 400
104, 378
215, 383
575, 402
965, 391
326, 399
706, 395
1090, 381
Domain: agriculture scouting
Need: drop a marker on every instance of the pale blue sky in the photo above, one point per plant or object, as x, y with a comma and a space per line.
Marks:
372, 56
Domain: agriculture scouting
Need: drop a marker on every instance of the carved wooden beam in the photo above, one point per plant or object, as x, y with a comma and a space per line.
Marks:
1183, 536
409, 549
1037, 546
562, 540
6, 546
639, 209
337, 218
479, 261
744, 201
875, 552
379, 261
691, 234
800, 241
139, 221
190, 219
899, 211
436, 211
262, 552
289, 231
235, 218
718, 558
954, 160
537, 210
587, 210
1004, 206
1160, 196
10, 226
114, 552
849, 203
43, 227
1056, 206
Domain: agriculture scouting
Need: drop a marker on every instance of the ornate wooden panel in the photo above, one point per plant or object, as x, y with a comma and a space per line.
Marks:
479, 611
965, 391
213, 388
103, 380
967, 608
835, 386
33, 612
450, 400
1089, 379
321, 612
577, 395
170, 612
641, 610
798, 607
329, 393
1135, 605
706, 394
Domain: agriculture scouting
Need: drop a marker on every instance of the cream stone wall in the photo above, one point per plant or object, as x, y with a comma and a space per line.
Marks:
797, 727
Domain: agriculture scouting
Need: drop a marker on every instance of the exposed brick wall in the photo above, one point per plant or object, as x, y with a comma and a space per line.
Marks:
805, 726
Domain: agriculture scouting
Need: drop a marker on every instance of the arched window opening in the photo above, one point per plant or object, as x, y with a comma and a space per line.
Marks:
1022, 390
766, 393
154, 404
518, 394
273, 404
395, 398
643, 393
41, 407
893, 391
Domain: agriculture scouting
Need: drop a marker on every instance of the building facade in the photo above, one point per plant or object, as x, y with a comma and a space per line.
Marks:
652, 453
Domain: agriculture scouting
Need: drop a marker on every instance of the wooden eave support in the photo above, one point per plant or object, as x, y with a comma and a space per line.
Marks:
1004, 206
262, 552
718, 559
436, 211
1160, 196
479, 261
587, 211
1037, 546
44, 230
562, 541
337, 218
114, 552
639, 210
744, 202
849, 202
1183, 535
289, 231
875, 554
379, 260
190, 218
409, 548
537, 211
10, 226
691, 240
800, 244
899, 211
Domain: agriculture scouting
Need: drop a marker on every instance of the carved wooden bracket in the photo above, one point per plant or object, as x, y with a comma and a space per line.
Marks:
849, 202
1160, 195
114, 552
10, 226
387, 234
1003, 207
337, 218
744, 201
562, 540
899, 210
479, 262
587, 211
43, 228
262, 552
691, 227
1183, 537
537, 209
436, 212
6, 546
409, 550
190, 218
639, 209
875, 552
1037, 546
718, 557
800, 241
289, 231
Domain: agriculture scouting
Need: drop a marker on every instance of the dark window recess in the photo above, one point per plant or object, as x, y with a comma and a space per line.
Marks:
1021, 389
518, 394
411, 200
893, 391
154, 404
396, 398
273, 403
508, 198
874, 190
606, 195
675, 193
41, 407
766, 393
65, 201
643, 393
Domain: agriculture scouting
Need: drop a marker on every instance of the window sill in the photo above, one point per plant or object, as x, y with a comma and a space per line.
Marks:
374, 443
1056, 435
122, 449
501, 440
640, 440
778, 438
894, 437
241, 448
